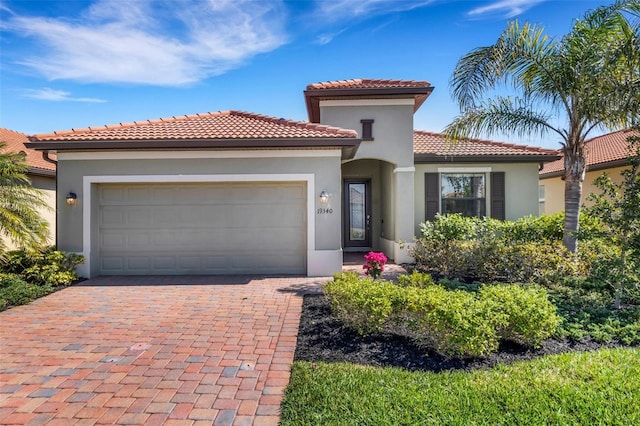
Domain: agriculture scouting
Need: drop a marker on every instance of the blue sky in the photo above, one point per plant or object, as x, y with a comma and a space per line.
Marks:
73, 64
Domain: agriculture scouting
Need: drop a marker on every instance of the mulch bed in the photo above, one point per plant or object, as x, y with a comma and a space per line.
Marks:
322, 338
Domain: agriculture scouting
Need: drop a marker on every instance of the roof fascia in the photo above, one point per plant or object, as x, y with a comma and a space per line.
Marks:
438, 158
349, 146
36, 171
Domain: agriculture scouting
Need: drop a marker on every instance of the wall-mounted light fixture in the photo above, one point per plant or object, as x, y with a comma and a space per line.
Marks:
324, 197
71, 199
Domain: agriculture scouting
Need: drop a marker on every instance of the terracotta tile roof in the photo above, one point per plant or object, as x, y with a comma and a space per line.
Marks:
435, 145
15, 143
208, 126
368, 83
602, 151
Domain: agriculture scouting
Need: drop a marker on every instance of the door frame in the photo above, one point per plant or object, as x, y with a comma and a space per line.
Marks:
348, 244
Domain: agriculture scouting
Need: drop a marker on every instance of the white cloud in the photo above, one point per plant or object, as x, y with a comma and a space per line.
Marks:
510, 8
153, 42
48, 94
326, 38
341, 10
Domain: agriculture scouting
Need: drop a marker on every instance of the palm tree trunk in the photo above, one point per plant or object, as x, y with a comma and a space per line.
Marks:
574, 166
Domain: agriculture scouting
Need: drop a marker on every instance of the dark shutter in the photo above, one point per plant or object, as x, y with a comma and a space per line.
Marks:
497, 195
431, 195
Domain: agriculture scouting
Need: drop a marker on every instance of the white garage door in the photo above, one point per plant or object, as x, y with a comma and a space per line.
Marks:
202, 228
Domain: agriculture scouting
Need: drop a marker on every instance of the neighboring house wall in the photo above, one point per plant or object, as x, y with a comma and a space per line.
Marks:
521, 186
41, 173
48, 186
554, 188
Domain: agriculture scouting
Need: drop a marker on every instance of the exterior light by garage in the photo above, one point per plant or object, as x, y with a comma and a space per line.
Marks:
324, 197
71, 199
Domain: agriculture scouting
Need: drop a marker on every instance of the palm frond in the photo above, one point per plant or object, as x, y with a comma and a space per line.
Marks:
500, 115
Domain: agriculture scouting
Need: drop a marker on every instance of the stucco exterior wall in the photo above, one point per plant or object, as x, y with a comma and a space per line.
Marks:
554, 189
324, 169
392, 128
521, 187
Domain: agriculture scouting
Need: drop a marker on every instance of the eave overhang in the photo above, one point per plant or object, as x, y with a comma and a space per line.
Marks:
439, 158
348, 146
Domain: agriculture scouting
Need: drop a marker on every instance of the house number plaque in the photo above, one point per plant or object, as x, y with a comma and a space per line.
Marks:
323, 210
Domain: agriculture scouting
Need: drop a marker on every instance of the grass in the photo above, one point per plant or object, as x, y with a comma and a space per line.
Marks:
580, 388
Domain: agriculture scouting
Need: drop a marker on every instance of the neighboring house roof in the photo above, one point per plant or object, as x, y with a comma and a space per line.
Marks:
429, 147
602, 152
222, 130
364, 88
15, 142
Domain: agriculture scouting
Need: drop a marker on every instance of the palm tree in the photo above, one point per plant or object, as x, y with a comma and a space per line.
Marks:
20, 220
586, 80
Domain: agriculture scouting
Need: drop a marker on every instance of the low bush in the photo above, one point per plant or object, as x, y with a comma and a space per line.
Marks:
15, 291
531, 317
494, 260
416, 279
49, 266
27, 276
362, 303
451, 322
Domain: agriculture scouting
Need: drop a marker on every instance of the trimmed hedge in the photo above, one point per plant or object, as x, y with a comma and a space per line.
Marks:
451, 322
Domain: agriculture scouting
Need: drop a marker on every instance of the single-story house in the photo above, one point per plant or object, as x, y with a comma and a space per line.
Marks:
607, 153
234, 192
41, 173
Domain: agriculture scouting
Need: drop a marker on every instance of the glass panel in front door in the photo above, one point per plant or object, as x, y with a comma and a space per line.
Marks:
357, 212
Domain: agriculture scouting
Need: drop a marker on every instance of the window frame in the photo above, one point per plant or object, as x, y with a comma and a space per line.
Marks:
483, 200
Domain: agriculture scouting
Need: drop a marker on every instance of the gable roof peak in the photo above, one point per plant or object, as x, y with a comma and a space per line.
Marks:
365, 88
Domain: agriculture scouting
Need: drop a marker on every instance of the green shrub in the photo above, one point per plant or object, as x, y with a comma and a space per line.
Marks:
48, 266
416, 279
528, 229
453, 322
494, 260
530, 317
14, 291
362, 303
457, 227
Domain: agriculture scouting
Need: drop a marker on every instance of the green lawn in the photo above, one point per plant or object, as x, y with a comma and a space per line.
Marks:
591, 388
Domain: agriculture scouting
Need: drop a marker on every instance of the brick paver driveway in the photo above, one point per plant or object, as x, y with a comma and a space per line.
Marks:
185, 350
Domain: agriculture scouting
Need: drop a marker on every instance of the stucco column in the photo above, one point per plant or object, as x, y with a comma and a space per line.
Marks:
404, 210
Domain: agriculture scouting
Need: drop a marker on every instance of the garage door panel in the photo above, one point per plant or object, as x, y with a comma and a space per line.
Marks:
219, 228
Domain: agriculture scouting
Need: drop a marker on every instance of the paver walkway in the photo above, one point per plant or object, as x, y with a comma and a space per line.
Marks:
152, 350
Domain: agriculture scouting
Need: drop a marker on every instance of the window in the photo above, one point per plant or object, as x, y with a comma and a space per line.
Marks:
367, 129
463, 193
541, 205
464, 190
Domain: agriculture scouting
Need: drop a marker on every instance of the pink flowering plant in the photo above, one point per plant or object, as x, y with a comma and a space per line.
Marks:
375, 264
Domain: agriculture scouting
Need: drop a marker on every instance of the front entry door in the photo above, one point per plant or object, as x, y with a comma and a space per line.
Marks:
357, 213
